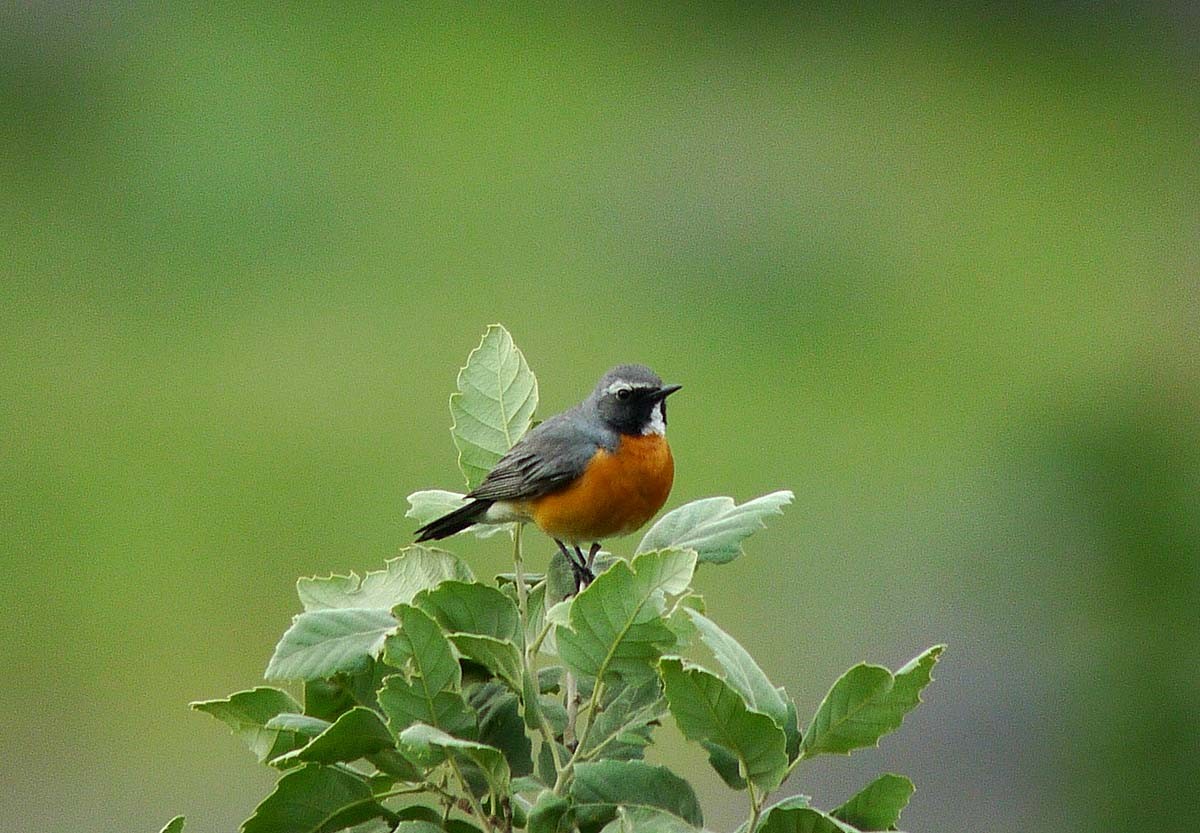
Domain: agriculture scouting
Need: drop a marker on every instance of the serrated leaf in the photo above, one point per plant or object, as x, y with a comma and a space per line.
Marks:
705, 707
408, 702
247, 713
501, 725
461, 607
417, 568
430, 746
615, 626
790, 819
866, 703
877, 806
420, 646
621, 730
647, 820
745, 675
314, 799
500, 658
321, 643
497, 395
600, 788
175, 825
431, 504
358, 733
301, 724
714, 527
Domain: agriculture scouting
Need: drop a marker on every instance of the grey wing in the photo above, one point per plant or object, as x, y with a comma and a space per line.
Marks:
547, 458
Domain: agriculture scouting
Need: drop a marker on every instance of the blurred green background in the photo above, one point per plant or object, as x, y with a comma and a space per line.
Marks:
934, 271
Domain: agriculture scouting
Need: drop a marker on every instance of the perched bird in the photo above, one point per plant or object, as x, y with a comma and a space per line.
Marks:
597, 470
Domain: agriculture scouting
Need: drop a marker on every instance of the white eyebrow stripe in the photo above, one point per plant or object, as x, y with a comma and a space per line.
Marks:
621, 383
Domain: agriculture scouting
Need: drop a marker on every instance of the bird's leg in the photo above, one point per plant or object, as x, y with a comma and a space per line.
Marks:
582, 577
591, 556
585, 568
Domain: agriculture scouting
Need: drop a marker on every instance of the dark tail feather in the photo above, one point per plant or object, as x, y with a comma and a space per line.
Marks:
456, 521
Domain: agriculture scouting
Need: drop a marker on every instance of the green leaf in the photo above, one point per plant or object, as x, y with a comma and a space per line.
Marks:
314, 799
460, 607
301, 724
550, 814
621, 730
647, 820
866, 703
420, 646
321, 643
356, 734
707, 708
408, 702
744, 674
247, 714
417, 568
615, 626
501, 725
497, 395
329, 698
418, 827
431, 746
600, 788
791, 819
877, 806
714, 527
726, 765
431, 504
175, 825
499, 657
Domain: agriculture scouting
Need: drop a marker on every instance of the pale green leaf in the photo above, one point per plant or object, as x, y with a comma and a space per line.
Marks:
497, 395
314, 799
866, 703
714, 527
418, 827
420, 646
877, 806
745, 675
621, 731
321, 643
461, 607
406, 702
600, 788
615, 626
301, 724
706, 708
247, 714
430, 746
431, 504
417, 568
175, 825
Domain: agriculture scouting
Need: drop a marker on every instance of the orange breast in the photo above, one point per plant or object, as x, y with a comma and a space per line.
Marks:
618, 492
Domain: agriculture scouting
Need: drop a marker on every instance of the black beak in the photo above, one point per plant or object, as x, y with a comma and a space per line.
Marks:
665, 391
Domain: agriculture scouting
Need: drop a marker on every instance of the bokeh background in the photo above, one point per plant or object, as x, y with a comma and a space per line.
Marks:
934, 271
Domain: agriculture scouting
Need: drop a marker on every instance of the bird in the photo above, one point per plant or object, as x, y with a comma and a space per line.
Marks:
598, 470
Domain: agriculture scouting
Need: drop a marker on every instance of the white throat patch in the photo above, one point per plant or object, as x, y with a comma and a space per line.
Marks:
657, 424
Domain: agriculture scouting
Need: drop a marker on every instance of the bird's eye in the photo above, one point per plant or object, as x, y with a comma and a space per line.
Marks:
624, 393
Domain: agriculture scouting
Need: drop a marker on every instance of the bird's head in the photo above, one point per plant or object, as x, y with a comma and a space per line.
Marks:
631, 399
